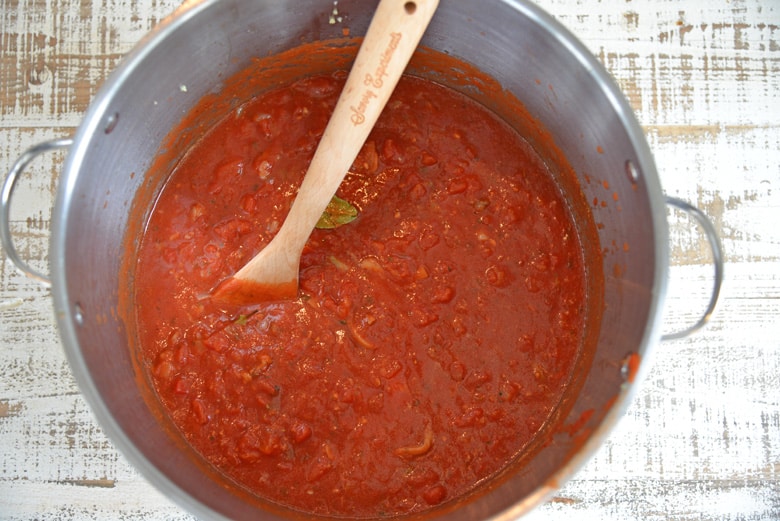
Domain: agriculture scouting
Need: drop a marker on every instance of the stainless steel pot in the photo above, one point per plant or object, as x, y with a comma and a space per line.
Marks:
188, 56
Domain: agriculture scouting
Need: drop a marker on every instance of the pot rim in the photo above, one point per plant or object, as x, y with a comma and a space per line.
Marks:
96, 118
646, 169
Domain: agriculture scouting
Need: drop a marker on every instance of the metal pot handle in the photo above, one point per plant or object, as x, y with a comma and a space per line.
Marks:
5, 204
717, 259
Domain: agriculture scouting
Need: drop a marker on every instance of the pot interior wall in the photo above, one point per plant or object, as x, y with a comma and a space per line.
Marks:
191, 55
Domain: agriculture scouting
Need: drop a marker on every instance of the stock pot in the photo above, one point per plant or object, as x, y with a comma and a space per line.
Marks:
190, 55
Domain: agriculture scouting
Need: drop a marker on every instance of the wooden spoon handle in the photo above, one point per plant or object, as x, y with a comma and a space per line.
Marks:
392, 37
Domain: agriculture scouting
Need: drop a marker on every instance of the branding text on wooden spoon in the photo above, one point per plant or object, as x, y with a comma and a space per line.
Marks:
374, 81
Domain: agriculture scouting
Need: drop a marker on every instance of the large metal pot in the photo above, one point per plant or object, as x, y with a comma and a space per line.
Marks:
188, 56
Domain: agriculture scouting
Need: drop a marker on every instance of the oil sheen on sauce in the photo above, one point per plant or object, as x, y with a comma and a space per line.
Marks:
433, 336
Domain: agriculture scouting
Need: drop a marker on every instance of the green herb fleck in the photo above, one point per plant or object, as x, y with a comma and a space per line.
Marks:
338, 213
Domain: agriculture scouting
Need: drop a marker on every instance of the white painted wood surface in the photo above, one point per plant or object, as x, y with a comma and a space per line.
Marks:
701, 440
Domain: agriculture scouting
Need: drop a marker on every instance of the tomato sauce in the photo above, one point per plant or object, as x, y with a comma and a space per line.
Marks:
433, 337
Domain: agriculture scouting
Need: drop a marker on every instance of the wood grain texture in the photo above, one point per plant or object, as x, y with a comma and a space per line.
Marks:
701, 441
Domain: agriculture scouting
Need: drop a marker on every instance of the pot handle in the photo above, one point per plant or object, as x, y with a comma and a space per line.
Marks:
5, 204
717, 260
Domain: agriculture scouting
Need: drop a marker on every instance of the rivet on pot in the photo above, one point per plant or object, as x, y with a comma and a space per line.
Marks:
78, 314
632, 171
111, 123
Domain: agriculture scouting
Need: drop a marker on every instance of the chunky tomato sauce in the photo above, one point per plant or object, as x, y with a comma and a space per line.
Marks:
433, 337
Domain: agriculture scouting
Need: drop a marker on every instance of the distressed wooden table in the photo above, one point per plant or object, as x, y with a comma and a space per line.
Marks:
701, 441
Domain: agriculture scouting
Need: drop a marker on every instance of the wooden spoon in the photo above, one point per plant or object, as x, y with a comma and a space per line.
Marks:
393, 35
